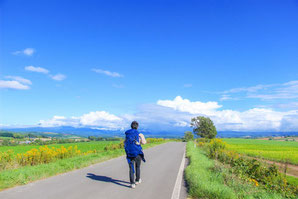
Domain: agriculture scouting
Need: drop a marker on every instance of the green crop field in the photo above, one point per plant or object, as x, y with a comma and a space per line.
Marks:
268, 149
83, 146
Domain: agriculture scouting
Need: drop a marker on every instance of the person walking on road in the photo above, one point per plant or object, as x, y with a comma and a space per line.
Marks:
134, 153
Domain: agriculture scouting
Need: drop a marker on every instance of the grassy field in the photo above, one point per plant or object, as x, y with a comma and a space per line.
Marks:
26, 174
83, 146
268, 149
5, 138
210, 179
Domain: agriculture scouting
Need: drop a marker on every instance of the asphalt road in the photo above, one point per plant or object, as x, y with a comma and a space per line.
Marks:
109, 180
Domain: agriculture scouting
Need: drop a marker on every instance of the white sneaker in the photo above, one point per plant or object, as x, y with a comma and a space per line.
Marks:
139, 182
133, 186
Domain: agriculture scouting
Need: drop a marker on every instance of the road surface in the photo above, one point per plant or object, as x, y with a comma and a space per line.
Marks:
109, 179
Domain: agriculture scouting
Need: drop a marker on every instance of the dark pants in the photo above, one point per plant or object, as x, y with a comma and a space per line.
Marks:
137, 164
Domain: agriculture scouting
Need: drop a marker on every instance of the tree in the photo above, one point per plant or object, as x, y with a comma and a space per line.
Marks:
18, 136
91, 137
188, 136
203, 126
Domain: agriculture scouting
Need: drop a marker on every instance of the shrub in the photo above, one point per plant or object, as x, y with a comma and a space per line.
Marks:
215, 146
45, 155
6, 159
114, 146
188, 136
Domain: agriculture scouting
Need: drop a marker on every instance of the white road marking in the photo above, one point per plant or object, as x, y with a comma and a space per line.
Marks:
177, 187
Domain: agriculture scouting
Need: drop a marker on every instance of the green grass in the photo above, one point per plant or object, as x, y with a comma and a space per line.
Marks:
83, 146
202, 182
24, 175
292, 180
6, 138
210, 179
268, 149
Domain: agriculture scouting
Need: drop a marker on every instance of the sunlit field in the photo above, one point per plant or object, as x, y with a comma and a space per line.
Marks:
83, 146
269, 149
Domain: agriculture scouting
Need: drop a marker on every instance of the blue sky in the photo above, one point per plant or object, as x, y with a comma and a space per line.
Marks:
104, 63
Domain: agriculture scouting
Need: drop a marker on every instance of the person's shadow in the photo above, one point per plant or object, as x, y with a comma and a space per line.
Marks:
107, 179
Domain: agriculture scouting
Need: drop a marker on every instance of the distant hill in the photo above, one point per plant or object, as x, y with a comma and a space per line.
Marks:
85, 132
33, 132
227, 134
67, 131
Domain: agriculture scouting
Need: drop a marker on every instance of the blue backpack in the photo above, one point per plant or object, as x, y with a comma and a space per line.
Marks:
132, 146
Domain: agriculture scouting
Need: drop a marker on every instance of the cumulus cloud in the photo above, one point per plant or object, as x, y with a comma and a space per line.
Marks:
58, 77
26, 51
176, 114
106, 72
101, 119
290, 122
255, 119
60, 121
36, 69
185, 105
12, 84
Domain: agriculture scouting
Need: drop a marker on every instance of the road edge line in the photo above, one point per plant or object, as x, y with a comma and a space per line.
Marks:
177, 187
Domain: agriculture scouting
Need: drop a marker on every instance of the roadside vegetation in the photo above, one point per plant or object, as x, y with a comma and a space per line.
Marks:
23, 164
209, 178
221, 170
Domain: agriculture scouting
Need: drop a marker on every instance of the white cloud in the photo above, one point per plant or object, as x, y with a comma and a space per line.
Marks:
185, 105
36, 69
255, 119
13, 85
60, 121
289, 105
58, 77
288, 90
26, 51
290, 122
227, 97
108, 73
248, 89
19, 79
98, 118
175, 115
101, 119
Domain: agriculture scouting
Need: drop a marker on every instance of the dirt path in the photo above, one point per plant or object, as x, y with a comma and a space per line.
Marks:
292, 170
